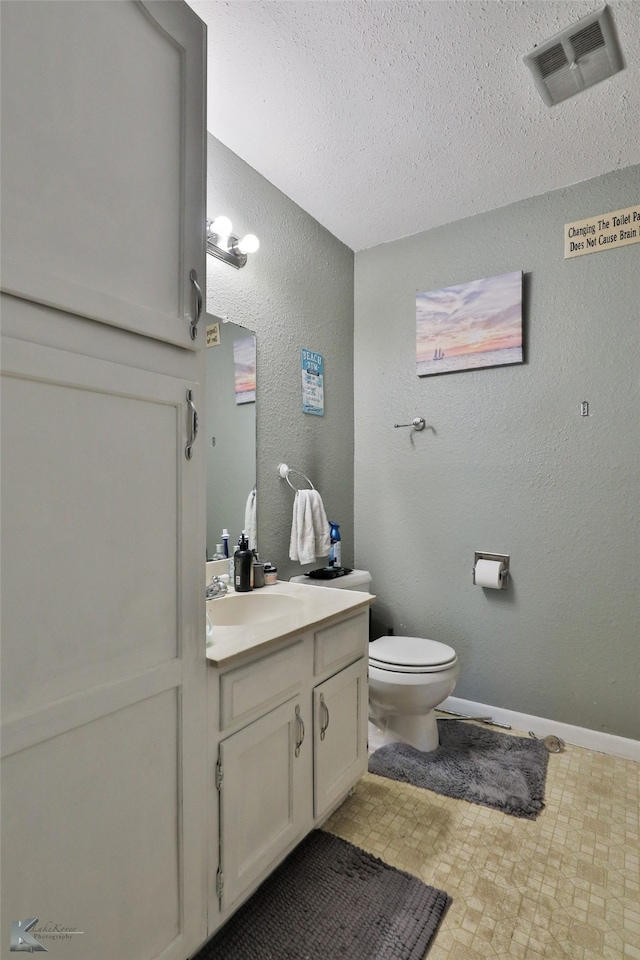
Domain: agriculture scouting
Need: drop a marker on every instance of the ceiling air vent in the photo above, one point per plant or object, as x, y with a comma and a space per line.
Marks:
576, 58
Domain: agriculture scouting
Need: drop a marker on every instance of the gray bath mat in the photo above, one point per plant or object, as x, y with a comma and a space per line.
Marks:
331, 901
473, 763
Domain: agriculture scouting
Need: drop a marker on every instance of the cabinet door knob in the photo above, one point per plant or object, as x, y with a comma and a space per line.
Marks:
325, 719
300, 739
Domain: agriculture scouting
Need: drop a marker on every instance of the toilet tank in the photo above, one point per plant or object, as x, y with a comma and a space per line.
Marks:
356, 580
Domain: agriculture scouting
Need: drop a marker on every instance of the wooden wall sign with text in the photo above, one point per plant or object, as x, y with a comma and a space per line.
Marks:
213, 334
603, 232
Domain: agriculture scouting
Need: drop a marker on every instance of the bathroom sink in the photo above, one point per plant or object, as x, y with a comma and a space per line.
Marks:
239, 610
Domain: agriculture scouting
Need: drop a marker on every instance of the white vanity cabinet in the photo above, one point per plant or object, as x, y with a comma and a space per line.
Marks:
260, 766
288, 730
262, 794
339, 735
339, 711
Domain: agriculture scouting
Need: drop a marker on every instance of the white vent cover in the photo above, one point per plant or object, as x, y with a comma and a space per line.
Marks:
576, 58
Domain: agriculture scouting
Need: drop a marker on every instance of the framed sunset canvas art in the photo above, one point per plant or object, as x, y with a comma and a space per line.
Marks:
469, 326
244, 361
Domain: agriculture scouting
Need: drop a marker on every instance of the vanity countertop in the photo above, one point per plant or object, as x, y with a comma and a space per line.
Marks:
312, 608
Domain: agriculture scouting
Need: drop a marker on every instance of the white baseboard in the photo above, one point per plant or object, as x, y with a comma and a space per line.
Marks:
622, 747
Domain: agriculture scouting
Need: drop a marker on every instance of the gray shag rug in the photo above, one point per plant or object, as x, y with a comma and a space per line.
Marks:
473, 763
331, 900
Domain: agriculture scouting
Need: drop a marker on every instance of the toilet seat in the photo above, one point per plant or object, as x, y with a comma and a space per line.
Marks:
411, 655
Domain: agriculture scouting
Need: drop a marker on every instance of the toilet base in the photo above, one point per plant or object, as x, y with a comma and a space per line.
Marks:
420, 732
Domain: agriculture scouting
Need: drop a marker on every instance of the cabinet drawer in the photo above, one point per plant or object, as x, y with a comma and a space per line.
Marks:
341, 644
260, 685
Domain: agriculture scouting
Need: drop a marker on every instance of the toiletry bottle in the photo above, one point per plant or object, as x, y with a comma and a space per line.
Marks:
243, 566
335, 554
230, 555
258, 571
219, 554
270, 574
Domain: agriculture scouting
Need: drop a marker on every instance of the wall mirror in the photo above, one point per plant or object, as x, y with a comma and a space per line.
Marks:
231, 431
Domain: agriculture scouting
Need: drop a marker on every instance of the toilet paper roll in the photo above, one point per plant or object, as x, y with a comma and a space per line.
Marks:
489, 573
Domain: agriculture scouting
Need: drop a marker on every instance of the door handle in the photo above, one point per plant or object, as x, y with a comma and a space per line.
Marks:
197, 311
193, 426
325, 719
300, 739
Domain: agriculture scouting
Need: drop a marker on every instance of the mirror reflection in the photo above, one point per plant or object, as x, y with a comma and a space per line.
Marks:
231, 432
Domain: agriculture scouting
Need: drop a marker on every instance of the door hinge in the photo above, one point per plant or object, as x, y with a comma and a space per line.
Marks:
219, 774
219, 883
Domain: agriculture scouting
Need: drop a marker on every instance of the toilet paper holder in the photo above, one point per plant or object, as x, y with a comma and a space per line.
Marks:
500, 558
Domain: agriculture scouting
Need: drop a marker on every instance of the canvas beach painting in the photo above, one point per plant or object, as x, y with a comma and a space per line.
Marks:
472, 325
244, 361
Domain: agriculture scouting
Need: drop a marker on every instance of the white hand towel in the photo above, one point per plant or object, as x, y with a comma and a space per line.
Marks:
310, 529
251, 520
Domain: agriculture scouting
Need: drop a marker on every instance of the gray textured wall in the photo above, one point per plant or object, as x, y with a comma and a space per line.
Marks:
508, 464
296, 292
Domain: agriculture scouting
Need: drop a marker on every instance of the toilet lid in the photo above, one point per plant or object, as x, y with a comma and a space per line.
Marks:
410, 654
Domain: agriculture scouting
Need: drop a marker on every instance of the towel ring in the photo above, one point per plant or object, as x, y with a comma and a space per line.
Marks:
284, 471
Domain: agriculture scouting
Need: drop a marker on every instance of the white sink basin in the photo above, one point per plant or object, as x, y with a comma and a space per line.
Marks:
238, 610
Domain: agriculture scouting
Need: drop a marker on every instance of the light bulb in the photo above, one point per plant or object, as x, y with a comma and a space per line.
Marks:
221, 226
248, 244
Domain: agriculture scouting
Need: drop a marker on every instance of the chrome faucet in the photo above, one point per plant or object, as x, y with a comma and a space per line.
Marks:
217, 588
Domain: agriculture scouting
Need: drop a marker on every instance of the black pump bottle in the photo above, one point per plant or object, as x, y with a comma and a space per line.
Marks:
243, 566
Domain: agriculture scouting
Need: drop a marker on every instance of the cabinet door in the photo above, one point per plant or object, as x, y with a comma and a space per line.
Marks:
103, 160
264, 767
103, 656
339, 735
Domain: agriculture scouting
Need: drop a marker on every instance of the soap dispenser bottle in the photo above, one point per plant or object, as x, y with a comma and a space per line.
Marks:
335, 554
219, 554
243, 566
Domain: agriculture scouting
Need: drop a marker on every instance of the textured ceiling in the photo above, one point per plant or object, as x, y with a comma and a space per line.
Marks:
382, 118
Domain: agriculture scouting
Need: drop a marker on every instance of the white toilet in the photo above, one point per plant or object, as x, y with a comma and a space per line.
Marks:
408, 678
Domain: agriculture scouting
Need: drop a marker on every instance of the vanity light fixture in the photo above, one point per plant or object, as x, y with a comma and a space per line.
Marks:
224, 245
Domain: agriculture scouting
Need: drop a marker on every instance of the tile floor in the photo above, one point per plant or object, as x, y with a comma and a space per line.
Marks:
563, 887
